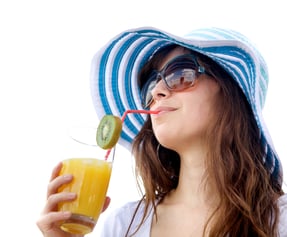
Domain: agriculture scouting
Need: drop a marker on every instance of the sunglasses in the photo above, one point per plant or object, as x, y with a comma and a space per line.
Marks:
178, 74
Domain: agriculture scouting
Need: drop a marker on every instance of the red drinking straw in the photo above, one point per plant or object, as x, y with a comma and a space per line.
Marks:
132, 111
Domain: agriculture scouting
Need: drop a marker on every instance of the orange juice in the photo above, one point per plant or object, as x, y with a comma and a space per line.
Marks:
90, 183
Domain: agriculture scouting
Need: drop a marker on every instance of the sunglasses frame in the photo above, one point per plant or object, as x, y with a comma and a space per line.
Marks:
156, 76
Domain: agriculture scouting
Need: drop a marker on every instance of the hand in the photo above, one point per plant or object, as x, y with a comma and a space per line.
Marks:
50, 217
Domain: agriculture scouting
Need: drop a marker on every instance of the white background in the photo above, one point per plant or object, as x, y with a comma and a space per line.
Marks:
46, 49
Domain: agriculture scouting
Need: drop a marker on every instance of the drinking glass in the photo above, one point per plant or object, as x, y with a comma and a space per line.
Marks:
91, 168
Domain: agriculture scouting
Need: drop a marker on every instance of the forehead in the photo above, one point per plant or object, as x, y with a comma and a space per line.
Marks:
172, 54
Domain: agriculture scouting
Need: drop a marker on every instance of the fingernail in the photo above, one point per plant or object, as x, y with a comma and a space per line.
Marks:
68, 176
71, 195
66, 214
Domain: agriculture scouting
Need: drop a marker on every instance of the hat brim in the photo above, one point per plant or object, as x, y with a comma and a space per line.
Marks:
115, 70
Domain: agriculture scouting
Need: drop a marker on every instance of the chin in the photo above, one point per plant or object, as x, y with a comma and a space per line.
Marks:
167, 142
168, 138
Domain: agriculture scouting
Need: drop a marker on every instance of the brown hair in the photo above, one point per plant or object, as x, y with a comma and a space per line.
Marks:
248, 195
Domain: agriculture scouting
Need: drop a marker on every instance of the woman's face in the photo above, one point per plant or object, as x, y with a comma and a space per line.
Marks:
185, 115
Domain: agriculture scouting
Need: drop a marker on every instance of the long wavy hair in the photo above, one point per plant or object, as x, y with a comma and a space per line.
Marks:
248, 195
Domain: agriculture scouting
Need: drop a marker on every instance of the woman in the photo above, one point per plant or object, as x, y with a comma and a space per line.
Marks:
206, 161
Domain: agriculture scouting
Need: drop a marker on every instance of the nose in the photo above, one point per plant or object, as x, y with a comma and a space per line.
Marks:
160, 91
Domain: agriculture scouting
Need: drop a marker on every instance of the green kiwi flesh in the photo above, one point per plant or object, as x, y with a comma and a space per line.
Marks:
109, 131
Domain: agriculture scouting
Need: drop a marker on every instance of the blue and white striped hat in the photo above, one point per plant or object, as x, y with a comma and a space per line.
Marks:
115, 70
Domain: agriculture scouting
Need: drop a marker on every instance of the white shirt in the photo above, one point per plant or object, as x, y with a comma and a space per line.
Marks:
119, 220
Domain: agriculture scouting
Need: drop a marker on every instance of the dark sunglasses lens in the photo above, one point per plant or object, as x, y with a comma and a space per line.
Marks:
146, 95
180, 75
180, 63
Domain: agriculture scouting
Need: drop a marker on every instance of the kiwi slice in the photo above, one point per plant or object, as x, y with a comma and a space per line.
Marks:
109, 131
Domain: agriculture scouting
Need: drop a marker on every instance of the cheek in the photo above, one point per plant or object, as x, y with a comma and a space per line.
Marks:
195, 116
204, 108
202, 112
198, 119
208, 100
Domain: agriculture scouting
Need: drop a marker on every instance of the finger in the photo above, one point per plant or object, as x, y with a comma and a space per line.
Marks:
48, 221
55, 199
56, 171
106, 203
57, 182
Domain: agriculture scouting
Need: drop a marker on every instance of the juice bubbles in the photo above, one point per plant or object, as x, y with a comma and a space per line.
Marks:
90, 183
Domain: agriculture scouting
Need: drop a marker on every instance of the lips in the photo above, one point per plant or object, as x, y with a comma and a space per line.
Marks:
164, 109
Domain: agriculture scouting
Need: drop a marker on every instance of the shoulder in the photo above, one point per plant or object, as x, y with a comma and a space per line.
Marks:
120, 219
125, 213
282, 203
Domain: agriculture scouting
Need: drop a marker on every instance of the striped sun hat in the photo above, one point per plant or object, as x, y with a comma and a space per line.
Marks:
115, 69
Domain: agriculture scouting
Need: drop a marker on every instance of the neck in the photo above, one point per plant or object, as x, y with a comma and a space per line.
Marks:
194, 188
